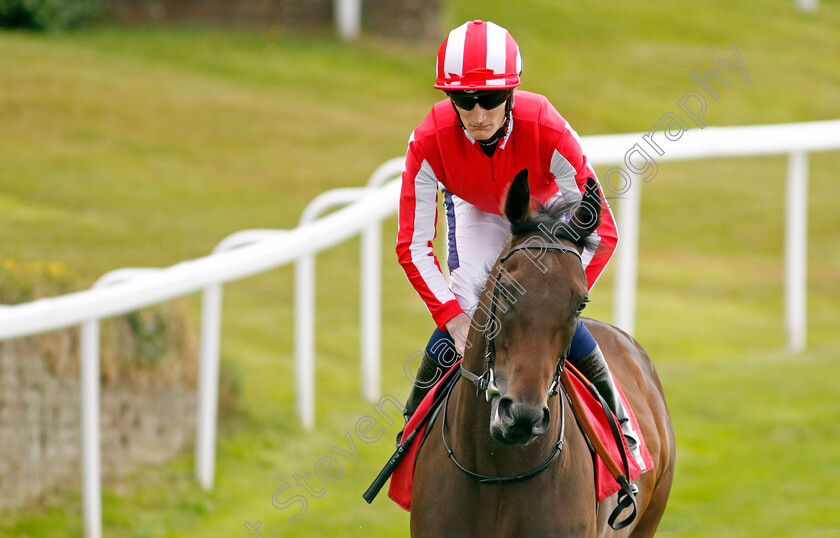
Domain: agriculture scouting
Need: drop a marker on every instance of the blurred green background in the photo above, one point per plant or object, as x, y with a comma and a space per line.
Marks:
144, 147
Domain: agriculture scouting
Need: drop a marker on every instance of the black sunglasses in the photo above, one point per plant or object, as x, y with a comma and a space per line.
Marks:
488, 99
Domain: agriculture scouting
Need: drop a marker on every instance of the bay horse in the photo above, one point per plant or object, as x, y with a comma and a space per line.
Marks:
514, 430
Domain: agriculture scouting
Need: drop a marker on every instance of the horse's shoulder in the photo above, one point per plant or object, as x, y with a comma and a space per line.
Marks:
625, 355
608, 335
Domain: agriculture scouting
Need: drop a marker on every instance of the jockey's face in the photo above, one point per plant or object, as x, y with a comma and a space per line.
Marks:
481, 123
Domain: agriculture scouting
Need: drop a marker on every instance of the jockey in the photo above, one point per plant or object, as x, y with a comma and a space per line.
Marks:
472, 144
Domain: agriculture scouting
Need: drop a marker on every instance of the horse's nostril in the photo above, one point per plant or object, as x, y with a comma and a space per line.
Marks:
524, 418
541, 425
505, 415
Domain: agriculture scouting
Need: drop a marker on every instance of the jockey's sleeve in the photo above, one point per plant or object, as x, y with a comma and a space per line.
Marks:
571, 168
417, 229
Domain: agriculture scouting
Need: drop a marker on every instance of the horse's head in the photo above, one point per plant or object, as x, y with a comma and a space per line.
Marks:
530, 307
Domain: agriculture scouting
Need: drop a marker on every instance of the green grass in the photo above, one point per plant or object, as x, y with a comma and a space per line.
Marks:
145, 147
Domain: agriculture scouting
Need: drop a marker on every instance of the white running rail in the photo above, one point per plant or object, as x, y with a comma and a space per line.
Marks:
796, 140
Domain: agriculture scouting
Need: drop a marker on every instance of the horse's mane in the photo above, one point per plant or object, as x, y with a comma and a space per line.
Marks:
554, 219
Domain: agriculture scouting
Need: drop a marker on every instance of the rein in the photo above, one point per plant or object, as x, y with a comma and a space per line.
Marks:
486, 382
485, 479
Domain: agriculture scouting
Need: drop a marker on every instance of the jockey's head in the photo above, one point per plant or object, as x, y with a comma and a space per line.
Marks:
478, 66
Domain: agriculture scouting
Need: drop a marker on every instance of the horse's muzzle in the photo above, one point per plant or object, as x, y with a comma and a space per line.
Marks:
517, 422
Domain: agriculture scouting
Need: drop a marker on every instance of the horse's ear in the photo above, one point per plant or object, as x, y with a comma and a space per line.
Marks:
518, 202
588, 214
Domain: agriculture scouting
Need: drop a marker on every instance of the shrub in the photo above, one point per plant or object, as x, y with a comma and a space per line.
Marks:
48, 15
23, 281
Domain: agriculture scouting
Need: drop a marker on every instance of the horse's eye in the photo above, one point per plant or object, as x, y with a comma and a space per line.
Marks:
582, 306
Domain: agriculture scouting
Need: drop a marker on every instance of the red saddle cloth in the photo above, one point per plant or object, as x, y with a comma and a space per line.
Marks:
402, 479
605, 484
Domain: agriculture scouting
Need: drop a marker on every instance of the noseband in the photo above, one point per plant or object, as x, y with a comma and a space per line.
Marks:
487, 381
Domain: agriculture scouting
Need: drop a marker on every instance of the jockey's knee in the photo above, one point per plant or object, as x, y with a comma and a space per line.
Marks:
583, 344
441, 348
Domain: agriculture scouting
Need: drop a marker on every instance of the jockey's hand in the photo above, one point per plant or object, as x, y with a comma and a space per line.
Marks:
458, 328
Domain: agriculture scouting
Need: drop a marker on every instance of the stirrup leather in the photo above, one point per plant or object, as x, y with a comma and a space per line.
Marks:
595, 368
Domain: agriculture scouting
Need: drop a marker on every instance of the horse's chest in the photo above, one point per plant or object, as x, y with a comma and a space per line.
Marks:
532, 508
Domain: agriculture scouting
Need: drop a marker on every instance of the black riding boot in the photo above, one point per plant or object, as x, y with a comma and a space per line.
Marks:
427, 374
595, 368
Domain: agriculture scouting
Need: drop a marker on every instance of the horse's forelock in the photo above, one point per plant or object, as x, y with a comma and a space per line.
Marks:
552, 222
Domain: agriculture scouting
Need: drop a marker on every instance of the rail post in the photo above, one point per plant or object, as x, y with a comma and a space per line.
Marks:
796, 250
624, 305
91, 456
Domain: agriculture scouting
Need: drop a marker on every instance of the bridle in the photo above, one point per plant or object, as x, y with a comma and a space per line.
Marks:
486, 382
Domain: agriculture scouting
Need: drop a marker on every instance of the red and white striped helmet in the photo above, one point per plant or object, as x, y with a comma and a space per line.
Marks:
478, 55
